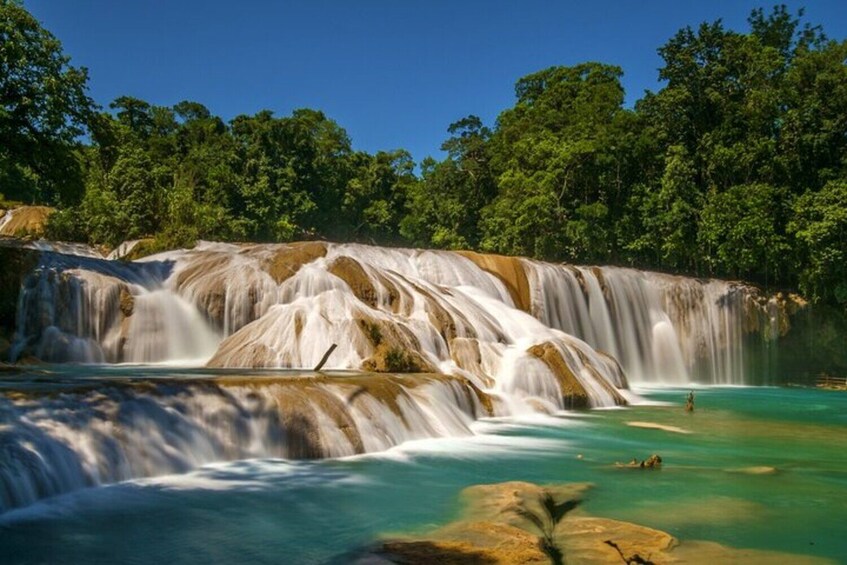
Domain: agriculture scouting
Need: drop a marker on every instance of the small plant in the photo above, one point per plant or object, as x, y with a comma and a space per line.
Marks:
399, 361
373, 333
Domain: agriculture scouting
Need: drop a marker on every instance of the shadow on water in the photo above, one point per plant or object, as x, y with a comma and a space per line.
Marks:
144, 273
413, 552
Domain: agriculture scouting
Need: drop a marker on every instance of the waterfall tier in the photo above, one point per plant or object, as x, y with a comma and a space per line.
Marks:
461, 313
108, 432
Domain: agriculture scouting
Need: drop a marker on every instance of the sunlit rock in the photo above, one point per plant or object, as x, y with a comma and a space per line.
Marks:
517, 522
25, 221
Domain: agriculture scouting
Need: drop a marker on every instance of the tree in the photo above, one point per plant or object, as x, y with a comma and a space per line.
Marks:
742, 232
673, 213
375, 197
444, 208
44, 108
819, 227
557, 164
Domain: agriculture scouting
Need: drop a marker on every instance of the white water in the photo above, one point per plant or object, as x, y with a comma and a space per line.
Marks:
220, 302
661, 328
50, 444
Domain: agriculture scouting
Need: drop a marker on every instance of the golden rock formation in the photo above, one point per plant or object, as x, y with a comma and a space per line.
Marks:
517, 522
573, 393
288, 259
510, 270
27, 221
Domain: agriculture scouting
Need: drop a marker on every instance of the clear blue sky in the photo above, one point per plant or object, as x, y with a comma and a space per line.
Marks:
393, 73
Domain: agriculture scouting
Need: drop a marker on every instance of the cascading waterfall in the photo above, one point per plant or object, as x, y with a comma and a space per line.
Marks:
81, 309
486, 335
51, 444
661, 328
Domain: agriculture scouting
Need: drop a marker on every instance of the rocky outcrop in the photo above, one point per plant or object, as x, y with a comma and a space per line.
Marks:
395, 348
467, 354
519, 522
25, 221
574, 393
287, 260
351, 272
510, 270
135, 249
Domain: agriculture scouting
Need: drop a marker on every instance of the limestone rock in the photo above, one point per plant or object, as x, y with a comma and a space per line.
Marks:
127, 302
288, 259
510, 270
350, 271
25, 221
518, 522
395, 348
574, 394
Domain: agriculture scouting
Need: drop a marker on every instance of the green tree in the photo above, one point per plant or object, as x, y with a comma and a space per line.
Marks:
742, 234
43, 110
558, 165
375, 197
444, 209
819, 227
671, 214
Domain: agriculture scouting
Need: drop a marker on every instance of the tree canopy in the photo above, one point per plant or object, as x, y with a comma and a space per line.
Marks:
43, 110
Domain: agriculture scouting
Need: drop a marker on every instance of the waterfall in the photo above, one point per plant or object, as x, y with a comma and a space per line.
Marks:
51, 444
661, 328
284, 305
483, 335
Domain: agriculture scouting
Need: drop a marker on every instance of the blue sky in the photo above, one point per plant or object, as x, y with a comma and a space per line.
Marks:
392, 73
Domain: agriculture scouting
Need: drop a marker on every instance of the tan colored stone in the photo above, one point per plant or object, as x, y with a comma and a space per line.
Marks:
351, 272
519, 522
466, 353
493, 544
127, 302
288, 259
510, 270
395, 348
573, 393
142, 248
27, 221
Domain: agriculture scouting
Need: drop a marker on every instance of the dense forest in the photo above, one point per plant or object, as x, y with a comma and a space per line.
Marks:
736, 167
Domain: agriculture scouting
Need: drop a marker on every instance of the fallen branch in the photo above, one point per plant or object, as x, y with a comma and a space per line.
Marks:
326, 356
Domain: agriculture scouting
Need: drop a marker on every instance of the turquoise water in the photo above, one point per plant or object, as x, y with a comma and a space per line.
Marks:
273, 511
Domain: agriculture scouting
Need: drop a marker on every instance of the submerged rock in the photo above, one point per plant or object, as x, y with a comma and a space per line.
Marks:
657, 426
519, 522
756, 470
